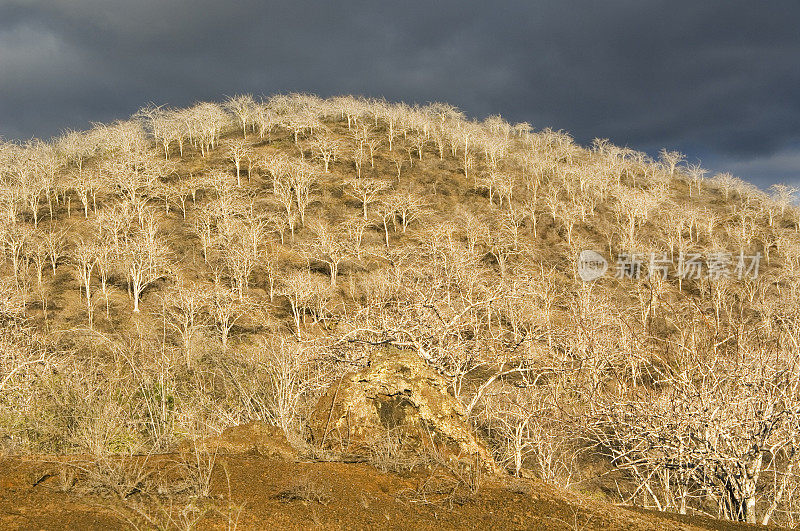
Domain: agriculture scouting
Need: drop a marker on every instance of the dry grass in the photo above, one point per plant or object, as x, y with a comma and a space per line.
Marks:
466, 256
306, 489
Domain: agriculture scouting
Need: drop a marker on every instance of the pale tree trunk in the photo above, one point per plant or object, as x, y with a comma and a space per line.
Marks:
518, 444
334, 272
779, 495
135, 289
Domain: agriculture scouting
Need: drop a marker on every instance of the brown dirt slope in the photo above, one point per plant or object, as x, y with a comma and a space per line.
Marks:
250, 491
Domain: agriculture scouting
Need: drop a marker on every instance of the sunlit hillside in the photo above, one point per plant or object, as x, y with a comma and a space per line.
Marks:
189, 270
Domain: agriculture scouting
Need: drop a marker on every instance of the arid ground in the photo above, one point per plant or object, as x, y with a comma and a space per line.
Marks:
249, 491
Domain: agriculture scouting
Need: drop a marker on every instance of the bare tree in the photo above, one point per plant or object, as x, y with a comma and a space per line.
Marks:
354, 226
300, 122
239, 253
54, 242
15, 238
297, 288
301, 178
392, 116
285, 362
670, 159
726, 182
226, 309
387, 211
281, 169
237, 152
48, 164
242, 107
75, 148
474, 227
418, 141
710, 433
358, 157
184, 307
373, 142
269, 262
329, 246
144, 259
85, 256
398, 159
696, 174
635, 206
284, 193
37, 256
265, 119
134, 177
325, 147
494, 149
163, 125
204, 123
366, 191
83, 183
784, 196
521, 418
204, 228
30, 184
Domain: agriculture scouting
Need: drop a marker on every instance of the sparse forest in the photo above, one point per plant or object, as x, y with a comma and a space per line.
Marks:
188, 270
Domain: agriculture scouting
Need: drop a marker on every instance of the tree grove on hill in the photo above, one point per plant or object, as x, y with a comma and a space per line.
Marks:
251, 297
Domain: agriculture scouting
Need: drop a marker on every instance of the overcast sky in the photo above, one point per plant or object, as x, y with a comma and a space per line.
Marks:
718, 80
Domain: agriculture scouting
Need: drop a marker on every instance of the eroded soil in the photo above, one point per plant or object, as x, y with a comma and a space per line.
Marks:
250, 491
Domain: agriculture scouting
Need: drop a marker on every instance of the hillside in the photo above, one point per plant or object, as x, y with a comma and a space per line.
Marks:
254, 492
190, 270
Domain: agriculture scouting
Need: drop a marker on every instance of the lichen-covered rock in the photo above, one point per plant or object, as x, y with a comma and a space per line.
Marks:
399, 394
258, 437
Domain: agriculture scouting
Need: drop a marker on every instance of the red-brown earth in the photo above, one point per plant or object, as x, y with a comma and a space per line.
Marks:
253, 491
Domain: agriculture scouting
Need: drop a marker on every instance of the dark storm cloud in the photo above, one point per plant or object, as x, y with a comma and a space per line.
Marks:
717, 80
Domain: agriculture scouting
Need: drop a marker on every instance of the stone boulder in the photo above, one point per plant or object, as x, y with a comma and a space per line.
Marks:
400, 394
254, 437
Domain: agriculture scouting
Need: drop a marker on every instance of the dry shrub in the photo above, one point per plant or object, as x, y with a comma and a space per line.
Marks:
303, 488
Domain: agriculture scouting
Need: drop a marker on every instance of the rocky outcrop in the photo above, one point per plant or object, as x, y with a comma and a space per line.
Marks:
253, 437
402, 395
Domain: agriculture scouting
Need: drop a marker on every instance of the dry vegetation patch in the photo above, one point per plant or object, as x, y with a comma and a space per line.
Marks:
209, 279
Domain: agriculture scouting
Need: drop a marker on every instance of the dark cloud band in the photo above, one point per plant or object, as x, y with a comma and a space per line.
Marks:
714, 79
